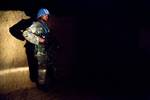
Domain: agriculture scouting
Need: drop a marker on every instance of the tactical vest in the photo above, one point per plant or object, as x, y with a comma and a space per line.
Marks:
42, 30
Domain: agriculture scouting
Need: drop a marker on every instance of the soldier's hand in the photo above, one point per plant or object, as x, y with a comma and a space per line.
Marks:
41, 40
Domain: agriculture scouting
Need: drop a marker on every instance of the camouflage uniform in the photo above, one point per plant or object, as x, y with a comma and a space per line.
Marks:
32, 34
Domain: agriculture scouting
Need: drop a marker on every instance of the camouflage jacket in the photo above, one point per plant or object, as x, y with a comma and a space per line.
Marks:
32, 34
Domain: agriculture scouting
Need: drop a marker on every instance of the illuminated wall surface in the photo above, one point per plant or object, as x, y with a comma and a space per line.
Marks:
12, 51
13, 73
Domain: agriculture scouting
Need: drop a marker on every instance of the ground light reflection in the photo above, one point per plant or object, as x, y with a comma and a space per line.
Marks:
15, 79
13, 70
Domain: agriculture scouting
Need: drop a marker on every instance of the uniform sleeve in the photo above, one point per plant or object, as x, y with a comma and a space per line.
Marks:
30, 36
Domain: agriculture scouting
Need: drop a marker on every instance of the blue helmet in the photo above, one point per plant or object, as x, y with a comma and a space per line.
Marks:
42, 12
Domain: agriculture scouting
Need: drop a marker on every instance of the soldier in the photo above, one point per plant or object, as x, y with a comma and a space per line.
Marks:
39, 35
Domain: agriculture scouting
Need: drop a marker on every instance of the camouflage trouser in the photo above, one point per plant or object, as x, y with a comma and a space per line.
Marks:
42, 67
46, 69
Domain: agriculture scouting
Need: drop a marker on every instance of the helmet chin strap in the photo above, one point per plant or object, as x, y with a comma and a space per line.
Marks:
42, 20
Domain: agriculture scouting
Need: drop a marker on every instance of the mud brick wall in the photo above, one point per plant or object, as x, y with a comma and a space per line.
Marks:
12, 51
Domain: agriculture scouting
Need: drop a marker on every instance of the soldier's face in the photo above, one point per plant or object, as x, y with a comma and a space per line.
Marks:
45, 18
